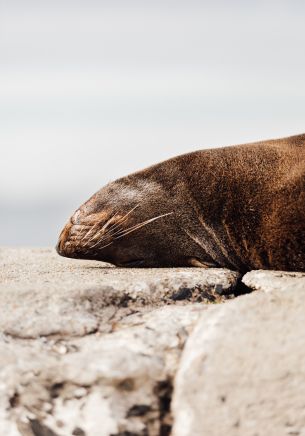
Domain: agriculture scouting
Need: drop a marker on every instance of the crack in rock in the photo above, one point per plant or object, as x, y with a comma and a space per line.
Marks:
93, 351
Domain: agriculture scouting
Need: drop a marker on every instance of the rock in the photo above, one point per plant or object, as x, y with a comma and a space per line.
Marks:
242, 369
42, 294
103, 384
87, 349
91, 350
274, 280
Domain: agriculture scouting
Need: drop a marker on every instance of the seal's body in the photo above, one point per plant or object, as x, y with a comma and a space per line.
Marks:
240, 207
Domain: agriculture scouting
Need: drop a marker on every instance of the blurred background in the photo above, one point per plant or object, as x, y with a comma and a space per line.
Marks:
93, 90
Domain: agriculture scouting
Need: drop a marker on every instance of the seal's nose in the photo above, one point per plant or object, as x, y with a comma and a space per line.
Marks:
63, 239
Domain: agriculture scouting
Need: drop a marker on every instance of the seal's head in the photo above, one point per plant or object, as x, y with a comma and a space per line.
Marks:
130, 222
239, 207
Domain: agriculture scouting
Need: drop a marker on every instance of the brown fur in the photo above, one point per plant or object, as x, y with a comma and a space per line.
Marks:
241, 207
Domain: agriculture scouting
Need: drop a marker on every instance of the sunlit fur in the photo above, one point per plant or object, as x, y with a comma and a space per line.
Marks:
241, 207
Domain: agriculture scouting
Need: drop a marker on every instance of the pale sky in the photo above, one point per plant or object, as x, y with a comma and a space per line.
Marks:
93, 90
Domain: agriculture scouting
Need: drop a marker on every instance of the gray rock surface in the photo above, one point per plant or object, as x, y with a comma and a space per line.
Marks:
42, 294
242, 370
267, 281
86, 349
91, 350
101, 383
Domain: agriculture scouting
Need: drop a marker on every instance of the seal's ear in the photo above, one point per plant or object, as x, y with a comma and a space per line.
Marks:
194, 261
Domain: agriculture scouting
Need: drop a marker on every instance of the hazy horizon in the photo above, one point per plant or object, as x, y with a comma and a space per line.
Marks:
91, 91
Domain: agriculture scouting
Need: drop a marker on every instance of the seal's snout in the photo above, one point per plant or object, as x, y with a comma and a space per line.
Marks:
63, 241
81, 236
58, 247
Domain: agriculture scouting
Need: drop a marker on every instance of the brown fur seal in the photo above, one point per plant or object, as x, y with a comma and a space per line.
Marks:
240, 207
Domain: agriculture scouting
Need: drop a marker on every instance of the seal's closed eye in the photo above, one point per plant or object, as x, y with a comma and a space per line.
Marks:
136, 263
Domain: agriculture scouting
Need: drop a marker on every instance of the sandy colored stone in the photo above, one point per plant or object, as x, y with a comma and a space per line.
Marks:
88, 349
42, 294
267, 281
103, 384
242, 370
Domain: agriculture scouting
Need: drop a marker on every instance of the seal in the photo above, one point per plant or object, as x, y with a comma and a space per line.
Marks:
240, 207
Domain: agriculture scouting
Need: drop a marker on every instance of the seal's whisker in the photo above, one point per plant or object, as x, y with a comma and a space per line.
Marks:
146, 222
87, 234
98, 242
138, 226
131, 210
110, 234
95, 235
123, 219
89, 231
110, 229
113, 229
99, 232
94, 245
107, 245
127, 231
108, 222
104, 246
103, 238
132, 229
